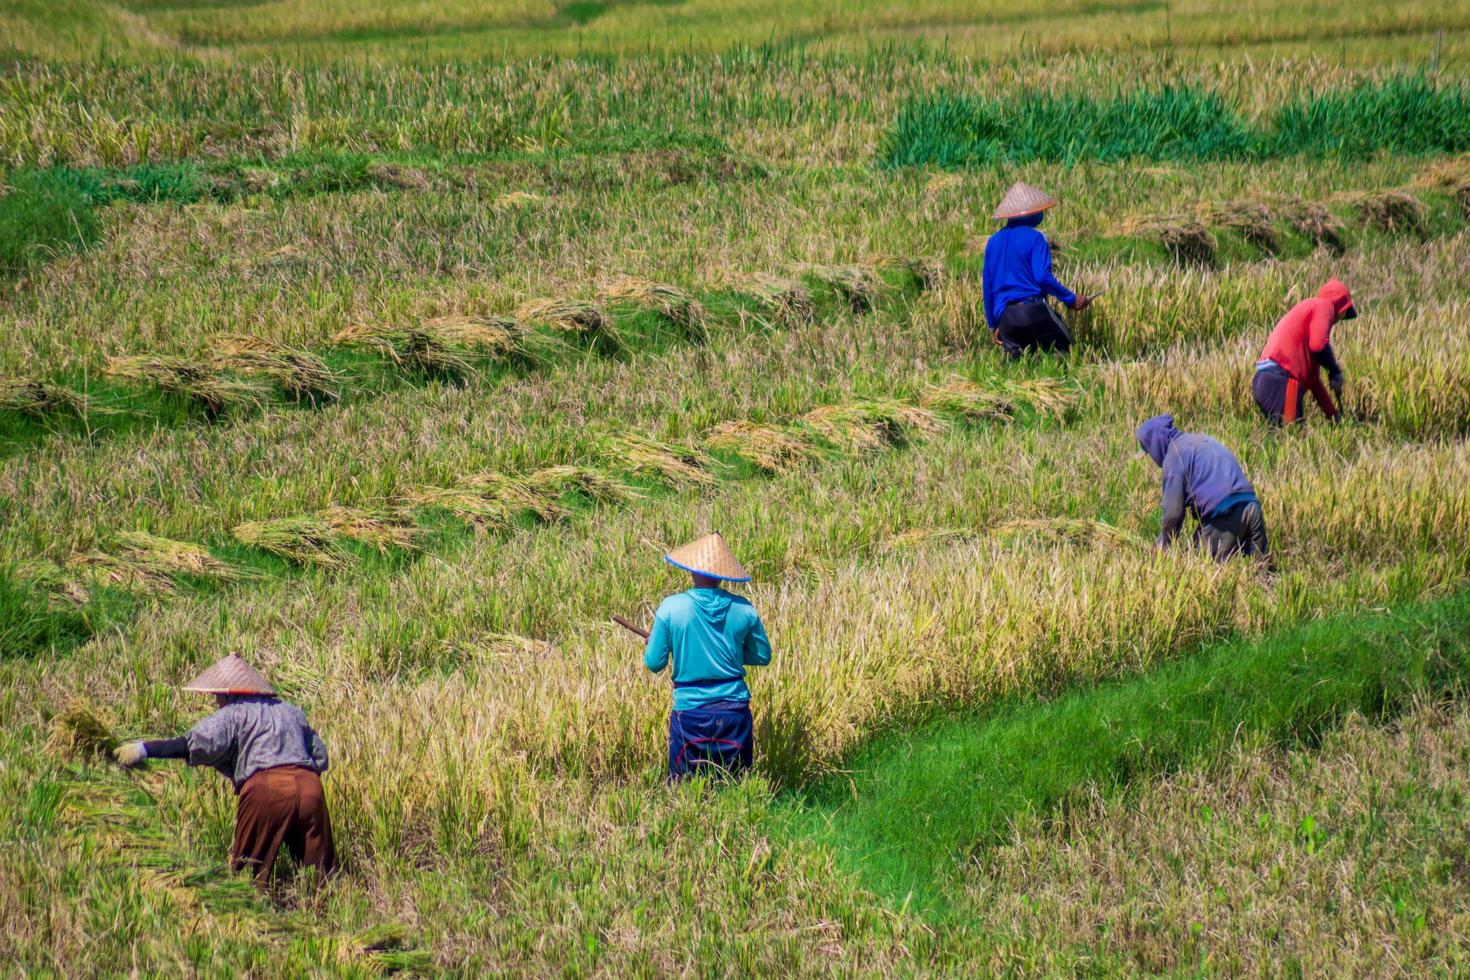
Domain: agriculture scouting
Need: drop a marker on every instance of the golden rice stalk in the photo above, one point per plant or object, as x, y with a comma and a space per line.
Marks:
194, 380
1316, 222
517, 199
122, 572
517, 494
442, 347
676, 305
857, 284
963, 398
479, 334
39, 398
320, 539
591, 483
788, 300
567, 315
303, 375
775, 449
1185, 238
149, 563
1070, 530
863, 426
1391, 211
679, 466
919, 537
467, 504
77, 733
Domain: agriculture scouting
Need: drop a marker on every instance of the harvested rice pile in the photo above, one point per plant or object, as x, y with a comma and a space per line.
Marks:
672, 303
303, 375
39, 398
321, 539
197, 381
678, 466
857, 284
775, 449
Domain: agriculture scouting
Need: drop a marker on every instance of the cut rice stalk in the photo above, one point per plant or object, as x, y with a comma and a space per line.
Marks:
194, 380
963, 398
40, 398
1071, 530
670, 302
678, 466
1046, 396
868, 425
1391, 211
918, 537
467, 504
591, 483
320, 539
378, 529
122, 572
77, 733
567, 315
445, 347
775, 449
1251, 219
1319, 224
304, 376
927, 270
857, 284
788, 300
517, 199
518, 495
1185, 238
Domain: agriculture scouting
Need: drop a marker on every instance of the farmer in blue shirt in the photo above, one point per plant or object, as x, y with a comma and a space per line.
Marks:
1017, 278
1203, 476
711, 635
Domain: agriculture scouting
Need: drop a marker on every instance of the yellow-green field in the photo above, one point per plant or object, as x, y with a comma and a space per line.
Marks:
275, 378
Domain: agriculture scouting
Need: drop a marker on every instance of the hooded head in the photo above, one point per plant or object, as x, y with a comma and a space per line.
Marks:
1342, 301
1026, 220
1155, 435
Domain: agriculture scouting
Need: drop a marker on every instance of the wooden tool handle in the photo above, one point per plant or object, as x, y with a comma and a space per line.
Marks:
630, 627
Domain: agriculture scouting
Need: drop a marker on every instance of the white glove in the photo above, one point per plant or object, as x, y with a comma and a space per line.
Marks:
130, 755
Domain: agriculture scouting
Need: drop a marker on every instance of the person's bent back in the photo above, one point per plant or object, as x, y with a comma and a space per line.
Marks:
1202, 476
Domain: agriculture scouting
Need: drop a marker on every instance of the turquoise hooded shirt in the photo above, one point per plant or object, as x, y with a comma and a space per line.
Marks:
712, 636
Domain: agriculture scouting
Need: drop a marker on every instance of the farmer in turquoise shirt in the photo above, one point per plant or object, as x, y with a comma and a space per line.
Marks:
711, 636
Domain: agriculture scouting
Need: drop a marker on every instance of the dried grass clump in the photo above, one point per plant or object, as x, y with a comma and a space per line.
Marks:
1186, 239
77, 733
517, 199
1319, 224
1252, 219
320, 539
963, 398
868, 425
775, 449
440, 347
195, 380
40, 398
789, 302
1071, 530
1391, 211
591, 483
679, 466
398, 175
676, 305
303, 375
857, 284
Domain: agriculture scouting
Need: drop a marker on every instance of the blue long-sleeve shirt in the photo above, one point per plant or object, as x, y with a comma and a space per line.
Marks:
711, 636
1018, 267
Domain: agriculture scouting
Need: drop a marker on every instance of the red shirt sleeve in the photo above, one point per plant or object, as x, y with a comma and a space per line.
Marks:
1319, 326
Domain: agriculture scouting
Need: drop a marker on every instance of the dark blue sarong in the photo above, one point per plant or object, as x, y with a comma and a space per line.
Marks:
720, 734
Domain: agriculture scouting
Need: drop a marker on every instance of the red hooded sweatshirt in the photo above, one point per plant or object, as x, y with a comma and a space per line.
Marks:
1307, 329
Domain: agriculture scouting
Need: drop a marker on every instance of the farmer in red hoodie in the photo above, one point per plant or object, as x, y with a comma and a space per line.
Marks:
1296, 353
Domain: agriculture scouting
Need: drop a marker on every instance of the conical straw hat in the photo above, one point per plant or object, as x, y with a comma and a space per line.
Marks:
1023, 199
709, 556
231, 675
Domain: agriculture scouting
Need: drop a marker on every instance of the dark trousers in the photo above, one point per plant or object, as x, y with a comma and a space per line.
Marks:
1282, 398
1031, 325
720, 734
1241, 530
282, 805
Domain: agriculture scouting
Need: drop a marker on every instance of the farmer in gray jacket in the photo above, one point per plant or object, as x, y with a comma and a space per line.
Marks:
265, 747
1202, 475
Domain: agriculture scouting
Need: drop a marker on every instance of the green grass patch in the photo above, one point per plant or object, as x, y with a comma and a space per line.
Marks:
42, 215
911, 805
30, 626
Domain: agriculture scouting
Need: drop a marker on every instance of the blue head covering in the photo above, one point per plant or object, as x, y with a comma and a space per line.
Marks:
1155, 435
1027, 220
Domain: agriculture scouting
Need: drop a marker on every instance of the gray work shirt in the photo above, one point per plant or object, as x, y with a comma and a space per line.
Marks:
254, 733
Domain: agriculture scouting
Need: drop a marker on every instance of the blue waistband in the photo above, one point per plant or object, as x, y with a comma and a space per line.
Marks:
709, 681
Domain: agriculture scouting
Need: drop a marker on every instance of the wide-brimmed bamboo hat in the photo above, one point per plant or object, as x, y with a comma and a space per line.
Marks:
1021, 200
711, 556
231, 675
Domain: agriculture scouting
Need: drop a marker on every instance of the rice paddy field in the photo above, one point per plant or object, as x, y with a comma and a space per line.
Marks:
391, 343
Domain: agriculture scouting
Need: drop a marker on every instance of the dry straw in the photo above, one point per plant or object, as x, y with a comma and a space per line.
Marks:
303, 375
773, 448
676, 305
321, 539
443, 346
398, 175
514, 200
39, 398
197, 381
679, 466
1391, 211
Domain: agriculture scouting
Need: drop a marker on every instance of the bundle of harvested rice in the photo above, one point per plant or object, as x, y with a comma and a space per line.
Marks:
61, 588
678, 466
466, 503
1461, 193
398, 175
670, 302
963, 398
567, 315
517, 494
443, 347
918, 537
1317, 223
149, 563
77, 733
122, 572
1186, 239
1391, 211
194, 380
1071, 530
775, 449
320, 539
788, 300
927, 271
857, 284
304, 376
869, 425
378, 529
1046, 396
517, 199
591, 483
1252, 219
39, 398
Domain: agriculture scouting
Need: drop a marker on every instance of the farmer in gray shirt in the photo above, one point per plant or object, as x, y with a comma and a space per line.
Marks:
271, 755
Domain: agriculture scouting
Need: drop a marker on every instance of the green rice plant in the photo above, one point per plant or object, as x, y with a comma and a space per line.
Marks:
1070, 530
41, 399
858, 285
304, 376
199, 382
676, 305
676, 465
41, 215
773, 448
1404, 114
39, 606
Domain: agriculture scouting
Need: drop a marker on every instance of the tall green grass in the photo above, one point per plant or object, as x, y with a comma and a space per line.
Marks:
1407, 114
29, 626
42, 215
910, 805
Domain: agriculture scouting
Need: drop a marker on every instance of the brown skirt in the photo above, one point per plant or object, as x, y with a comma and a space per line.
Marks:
282, 805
